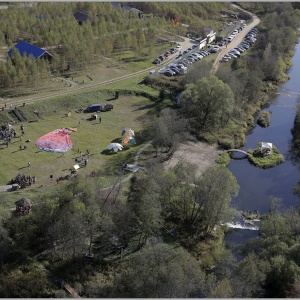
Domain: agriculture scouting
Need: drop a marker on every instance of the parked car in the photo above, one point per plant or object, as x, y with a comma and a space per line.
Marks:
94, 108
169, 73
214, 49
107, 107
233, 55
168, 53
224, 59
179, 56
178, 47
161, 57
156, 61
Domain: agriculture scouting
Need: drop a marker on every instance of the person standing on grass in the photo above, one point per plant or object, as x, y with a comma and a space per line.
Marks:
100, 120
28, 164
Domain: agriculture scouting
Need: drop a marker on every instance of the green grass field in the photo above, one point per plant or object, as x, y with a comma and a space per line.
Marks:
129, 111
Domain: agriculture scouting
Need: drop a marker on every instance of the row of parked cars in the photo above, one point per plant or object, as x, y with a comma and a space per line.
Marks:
167, 54
250, 39
179, 67
233, 34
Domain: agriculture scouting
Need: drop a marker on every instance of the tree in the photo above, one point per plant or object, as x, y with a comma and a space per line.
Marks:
168, 131
209, 102
160, 271
249, 277
215, 189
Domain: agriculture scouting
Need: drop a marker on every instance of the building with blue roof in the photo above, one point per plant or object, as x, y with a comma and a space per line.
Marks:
27, 49
80, 17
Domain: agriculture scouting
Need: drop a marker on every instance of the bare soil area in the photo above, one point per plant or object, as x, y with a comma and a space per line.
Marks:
199, 153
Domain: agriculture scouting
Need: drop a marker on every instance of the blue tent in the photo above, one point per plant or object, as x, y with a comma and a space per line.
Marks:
27, 49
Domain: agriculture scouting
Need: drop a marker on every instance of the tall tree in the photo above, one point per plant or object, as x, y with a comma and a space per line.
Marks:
209, 102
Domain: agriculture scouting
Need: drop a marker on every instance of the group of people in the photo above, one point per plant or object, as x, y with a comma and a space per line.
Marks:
24, 179
7, 133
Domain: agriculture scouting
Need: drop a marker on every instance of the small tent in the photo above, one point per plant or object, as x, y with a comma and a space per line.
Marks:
266, 148
128, 136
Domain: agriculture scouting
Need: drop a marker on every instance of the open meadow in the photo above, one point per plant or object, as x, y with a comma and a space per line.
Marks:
129, 111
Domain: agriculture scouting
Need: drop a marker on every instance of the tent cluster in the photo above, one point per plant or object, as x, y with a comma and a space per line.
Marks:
127, 139
59, 140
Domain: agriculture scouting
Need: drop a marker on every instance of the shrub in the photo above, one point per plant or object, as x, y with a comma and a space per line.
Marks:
223, 159
264, 119
226, 143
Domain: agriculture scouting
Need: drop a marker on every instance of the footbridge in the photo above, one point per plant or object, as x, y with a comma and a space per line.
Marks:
238, 150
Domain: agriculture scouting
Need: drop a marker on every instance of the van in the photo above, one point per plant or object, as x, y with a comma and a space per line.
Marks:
94, 108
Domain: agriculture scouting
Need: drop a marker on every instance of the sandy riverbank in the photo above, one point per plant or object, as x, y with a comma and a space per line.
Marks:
199, 153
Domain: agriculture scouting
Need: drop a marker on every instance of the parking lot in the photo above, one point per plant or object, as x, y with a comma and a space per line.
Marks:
176, 61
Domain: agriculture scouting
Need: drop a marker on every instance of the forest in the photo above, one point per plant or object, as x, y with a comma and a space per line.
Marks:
160, 236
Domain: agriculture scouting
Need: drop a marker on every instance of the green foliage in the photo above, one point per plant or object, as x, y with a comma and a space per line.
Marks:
260, 160
208, 103
264, 119
160, 271
26, 281
223, 159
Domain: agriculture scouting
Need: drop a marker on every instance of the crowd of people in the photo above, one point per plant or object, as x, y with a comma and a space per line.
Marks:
7, 133
24, 179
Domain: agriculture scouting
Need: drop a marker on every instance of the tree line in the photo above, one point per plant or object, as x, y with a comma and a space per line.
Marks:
107, 31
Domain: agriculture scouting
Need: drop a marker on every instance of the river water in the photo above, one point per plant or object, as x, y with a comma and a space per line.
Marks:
257, 185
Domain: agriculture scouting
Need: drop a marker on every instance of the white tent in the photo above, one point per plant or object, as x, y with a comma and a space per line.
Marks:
266, 147
115, 146
76, 167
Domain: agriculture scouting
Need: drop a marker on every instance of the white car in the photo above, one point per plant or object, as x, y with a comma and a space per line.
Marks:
179, 47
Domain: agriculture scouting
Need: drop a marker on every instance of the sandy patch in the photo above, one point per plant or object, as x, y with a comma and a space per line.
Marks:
198, 153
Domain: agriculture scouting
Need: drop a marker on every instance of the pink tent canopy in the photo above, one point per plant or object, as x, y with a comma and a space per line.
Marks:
57, 141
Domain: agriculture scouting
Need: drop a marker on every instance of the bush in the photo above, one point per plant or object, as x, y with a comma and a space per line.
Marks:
223, 159
227, 143
264, 119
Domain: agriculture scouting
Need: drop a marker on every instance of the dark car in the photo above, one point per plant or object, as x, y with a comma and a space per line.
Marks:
161, 57
156, 61
107, 107
94, 108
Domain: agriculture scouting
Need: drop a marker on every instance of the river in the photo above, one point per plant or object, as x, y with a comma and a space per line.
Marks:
257, 185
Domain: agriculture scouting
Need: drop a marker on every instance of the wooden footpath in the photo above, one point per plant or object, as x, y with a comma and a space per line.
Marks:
238, 150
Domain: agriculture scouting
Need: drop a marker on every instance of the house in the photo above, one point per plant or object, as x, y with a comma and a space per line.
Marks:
27, 49
128, 8
80, 17
209, 34
23, 206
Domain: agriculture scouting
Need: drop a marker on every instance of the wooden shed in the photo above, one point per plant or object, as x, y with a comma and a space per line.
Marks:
23, 206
